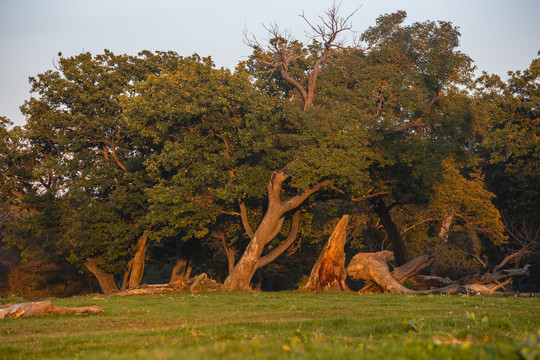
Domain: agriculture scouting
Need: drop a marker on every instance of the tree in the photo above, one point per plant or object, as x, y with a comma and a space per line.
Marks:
89, 162
508, 148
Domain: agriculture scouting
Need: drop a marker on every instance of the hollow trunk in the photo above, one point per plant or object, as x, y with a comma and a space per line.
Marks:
328, 273
398, 246
105, 279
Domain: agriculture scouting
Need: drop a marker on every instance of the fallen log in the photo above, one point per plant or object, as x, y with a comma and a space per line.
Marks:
328, 273
43, 308
179, 286
428, 281
199, 279
402, 273
373, 267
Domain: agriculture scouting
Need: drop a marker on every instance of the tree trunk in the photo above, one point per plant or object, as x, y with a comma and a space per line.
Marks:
42, 308
398, 246
445, 227
179, 270
252, 259
328, 273
137, 270
105, 279
240, 276
230, 258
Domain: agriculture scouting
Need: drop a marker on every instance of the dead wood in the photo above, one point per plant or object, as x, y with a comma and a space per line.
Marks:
428, 281
374, 267
199, 279
43, 308
202, 282
402, 273
328, 273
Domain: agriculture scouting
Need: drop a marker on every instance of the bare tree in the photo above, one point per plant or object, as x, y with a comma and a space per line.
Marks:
283, 50
524, 245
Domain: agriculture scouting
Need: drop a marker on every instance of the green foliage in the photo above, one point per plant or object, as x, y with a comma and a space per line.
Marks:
216, 139
118, 146
510, 149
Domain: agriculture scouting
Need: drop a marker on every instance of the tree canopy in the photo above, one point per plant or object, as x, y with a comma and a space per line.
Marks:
124, 156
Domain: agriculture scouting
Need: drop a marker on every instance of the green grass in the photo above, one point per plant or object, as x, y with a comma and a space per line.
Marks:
282, 325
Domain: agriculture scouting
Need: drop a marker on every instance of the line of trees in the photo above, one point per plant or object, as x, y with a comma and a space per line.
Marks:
168, 162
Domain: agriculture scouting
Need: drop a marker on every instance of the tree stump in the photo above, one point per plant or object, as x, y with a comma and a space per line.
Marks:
328, 273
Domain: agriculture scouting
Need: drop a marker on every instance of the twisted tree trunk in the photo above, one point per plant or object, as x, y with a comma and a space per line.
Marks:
269, 228
137, 270
105, 279
135, 267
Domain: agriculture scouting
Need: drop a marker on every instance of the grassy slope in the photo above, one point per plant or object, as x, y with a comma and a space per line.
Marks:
277, 325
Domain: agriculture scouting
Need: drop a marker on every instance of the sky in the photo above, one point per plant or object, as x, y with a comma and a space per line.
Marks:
499, 35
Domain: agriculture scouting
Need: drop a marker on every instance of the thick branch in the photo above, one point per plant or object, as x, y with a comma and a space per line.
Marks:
118, 162
245, 220
300, 198
277, 229
295, 224
274, 186
284, 73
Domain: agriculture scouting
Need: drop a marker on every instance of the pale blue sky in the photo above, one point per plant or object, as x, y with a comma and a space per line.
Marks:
499, 35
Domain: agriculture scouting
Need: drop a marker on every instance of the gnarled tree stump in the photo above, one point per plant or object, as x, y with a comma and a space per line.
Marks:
328, 273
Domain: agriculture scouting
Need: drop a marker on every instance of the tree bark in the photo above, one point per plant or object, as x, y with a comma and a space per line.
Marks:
240, 276
105, 279
42, 308
398, 246
328, 273
402, 273
374, 267
137, 270
179, 269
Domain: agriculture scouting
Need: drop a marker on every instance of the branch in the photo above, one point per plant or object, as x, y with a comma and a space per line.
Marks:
277, 229
113, 153
245, 220
295, 224
299, 199
361, 198
274, 186
483, 279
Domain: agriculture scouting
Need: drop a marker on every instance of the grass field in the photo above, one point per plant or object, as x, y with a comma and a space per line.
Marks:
281, 325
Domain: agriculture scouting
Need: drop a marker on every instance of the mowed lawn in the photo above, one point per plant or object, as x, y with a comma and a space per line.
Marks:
212, 325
